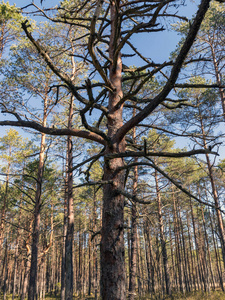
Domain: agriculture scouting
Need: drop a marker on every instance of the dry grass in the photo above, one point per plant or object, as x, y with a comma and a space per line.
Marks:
217, 295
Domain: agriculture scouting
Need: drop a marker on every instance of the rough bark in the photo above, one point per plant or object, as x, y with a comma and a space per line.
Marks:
70, 222
16, 254
183, 250
4, 208
95, 249
208, 250
193, 274
32, 291
162, 238
198, 260
133, 235
63, 274
112, 242
177, 241
5, 268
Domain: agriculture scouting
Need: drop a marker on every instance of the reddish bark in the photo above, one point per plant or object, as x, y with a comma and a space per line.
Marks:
32, 290
70, 216
133, 252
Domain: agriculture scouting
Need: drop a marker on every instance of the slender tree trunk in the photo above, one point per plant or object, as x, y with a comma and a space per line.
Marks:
70, 224
218, 76
139, 266
90, 271
95, 249
160, 281
214, 192
32, 291
53, 268
216, 254
5, 268
15, 271
25, 279
172, 258
152, 264
162, 238
199, 265
194, 276
84, 263
183, 250
4, 208
80, 259
16, 254
133, 244
63, 275
177, 241
208, 250
147, 255
202, 256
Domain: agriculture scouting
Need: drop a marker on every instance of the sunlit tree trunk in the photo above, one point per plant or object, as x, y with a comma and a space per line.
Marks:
95, 249
198, 260
193, 271
70, 222
177, 242
4, 208
183, 250
5, 268
63, 275
133, 235
216, 254
174, 281
16, 253
214, 192
32, 290
208, 250
162, 238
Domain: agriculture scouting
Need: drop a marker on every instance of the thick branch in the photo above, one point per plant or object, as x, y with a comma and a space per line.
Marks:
159, 154
198, 86
55, 131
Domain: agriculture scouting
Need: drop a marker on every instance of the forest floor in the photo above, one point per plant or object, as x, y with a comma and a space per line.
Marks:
216, 295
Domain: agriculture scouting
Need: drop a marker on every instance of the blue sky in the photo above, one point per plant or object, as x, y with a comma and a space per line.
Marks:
159, 45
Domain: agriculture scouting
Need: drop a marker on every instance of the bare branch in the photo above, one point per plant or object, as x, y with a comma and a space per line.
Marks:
55, 131
173, 75
160, 154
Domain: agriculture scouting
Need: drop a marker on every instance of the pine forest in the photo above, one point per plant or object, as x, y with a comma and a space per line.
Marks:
112, 149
